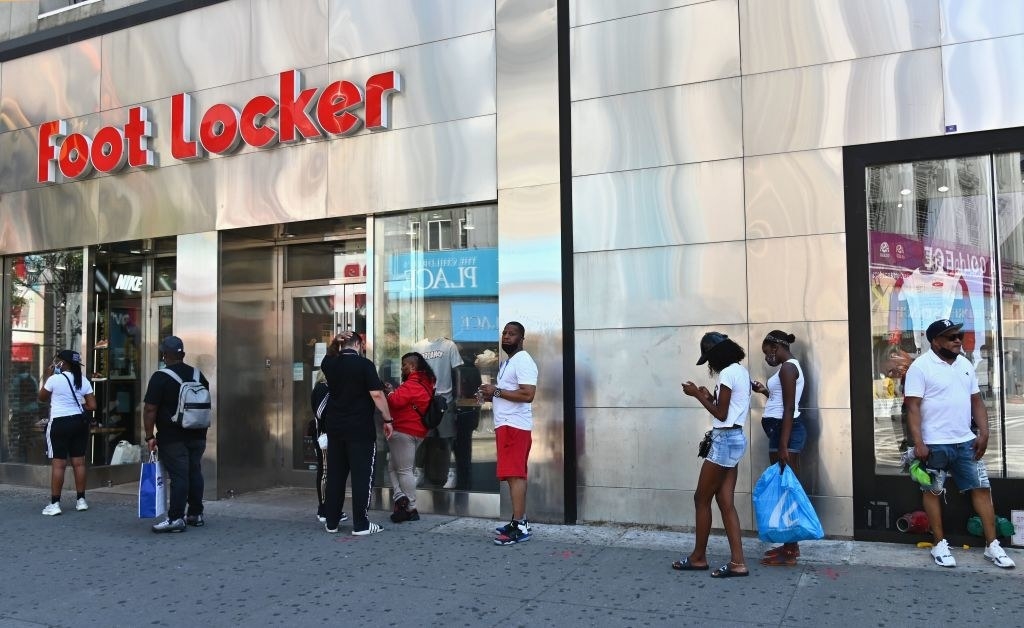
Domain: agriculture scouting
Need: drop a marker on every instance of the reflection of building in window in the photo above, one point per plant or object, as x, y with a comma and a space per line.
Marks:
439, 235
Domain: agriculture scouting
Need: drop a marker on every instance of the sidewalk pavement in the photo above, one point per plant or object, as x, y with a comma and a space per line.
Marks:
263, 559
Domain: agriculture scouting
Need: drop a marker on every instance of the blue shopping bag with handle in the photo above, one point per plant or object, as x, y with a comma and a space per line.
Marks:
784, 512
152, 489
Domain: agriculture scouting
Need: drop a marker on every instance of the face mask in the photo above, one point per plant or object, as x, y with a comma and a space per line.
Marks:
947, 354
771, 359
56, 369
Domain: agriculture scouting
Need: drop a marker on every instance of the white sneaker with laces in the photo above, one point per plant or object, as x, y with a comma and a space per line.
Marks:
942, 556
997, 555
81, 504
373, 529
450, 483
52, 509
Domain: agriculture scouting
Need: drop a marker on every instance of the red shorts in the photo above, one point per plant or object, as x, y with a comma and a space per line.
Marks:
513, 450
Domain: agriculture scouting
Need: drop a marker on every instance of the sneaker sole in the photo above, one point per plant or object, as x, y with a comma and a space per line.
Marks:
176, 530
995, 561
508, 541
368, 531
52, 514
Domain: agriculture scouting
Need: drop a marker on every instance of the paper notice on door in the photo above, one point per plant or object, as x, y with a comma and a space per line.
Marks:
298, 371
319, 352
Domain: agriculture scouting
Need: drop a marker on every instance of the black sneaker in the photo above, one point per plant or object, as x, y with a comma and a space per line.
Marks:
414, 515
505, 528
196, 521
515, 534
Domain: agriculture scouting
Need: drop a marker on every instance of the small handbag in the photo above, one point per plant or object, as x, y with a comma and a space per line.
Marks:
704, 448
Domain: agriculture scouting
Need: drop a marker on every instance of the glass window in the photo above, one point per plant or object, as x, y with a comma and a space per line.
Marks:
438, 295
343, 260
1009, 202
165, 274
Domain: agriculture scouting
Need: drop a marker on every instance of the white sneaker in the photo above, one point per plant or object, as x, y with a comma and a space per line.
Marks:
373, 529
81, 504
995, 553
942, 556
52, 509
451, 479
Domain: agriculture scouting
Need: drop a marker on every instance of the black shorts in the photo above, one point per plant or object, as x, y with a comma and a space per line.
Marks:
67, 437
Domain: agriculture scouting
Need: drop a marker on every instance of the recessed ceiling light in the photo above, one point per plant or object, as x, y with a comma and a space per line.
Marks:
905, 191
943, 188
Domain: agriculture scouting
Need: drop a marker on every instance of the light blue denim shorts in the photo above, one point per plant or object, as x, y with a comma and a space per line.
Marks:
727, 447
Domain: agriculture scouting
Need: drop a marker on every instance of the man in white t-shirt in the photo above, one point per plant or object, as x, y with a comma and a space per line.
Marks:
942, 399
511, 397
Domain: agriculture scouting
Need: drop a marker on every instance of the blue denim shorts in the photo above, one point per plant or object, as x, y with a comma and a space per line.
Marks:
956, 460
797, 434
727, 447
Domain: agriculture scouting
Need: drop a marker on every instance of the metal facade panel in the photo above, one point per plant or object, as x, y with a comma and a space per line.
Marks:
982, 84
699, 122
19, 165
589, 11
825, 363
648, 506
441, 81
664, 286
359, 28
191, 51
968, 20
56, 217
288, 35
686, 204
527, 93
797, 193
781, 34
437, 164
685, 45
797, 279
58, 83
852, 102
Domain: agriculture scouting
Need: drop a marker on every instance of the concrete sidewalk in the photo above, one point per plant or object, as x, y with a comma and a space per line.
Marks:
262, 558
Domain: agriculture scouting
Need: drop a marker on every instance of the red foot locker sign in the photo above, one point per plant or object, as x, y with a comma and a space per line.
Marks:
296, 114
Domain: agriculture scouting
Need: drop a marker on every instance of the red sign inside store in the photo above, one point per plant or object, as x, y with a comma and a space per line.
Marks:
297, 114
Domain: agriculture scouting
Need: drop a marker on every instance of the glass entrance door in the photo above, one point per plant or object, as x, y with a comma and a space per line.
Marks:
312, 316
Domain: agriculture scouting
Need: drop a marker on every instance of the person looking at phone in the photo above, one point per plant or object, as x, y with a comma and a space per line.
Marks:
70, 396
780, 421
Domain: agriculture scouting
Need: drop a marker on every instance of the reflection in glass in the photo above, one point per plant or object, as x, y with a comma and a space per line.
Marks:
1009, 181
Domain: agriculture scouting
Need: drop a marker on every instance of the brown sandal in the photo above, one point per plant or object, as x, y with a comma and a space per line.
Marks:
784, 558
782, 548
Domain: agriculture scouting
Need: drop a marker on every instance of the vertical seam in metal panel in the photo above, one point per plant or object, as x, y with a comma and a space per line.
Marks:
568, 285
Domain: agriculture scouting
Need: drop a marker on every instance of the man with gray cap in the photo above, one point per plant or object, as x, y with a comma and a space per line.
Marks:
181, 449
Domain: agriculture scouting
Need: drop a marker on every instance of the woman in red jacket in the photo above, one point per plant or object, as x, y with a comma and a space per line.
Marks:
407, 403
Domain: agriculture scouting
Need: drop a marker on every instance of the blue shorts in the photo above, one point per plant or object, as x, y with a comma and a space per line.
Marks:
956, 460
797, 435
727, 447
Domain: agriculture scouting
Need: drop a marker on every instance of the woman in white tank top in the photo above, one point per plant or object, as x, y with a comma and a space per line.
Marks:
781, 421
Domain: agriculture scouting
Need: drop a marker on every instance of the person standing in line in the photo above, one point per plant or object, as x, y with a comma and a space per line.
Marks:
408, 403
70, 396
315, 430
729, 407
181, 449
942, 398
512, 396
355, 389
786, 434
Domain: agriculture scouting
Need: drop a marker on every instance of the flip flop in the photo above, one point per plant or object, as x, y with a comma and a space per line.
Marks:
686, 565
726, 571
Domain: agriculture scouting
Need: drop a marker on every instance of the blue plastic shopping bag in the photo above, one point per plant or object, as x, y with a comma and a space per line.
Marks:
152, 489
784, 513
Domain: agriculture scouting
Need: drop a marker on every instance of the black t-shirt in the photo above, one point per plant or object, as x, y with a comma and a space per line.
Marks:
162, 392
350, 410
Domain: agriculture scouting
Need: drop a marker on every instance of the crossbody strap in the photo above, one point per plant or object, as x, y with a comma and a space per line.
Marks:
414, 407
74, 392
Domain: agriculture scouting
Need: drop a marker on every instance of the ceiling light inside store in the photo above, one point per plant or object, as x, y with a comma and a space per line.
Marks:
899, 204
943, 188
905, 191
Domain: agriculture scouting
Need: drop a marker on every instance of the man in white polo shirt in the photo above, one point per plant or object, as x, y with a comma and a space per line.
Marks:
942, 399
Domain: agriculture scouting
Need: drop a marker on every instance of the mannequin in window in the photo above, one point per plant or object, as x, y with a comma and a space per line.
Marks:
926, 294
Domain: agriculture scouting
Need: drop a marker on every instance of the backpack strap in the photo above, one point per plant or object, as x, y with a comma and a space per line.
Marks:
172, 375
416, 408
195, 374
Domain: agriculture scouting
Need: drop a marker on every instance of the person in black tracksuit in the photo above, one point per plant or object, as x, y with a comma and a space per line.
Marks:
318, 403
348, 420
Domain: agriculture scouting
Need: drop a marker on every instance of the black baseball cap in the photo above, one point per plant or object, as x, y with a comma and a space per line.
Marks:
70, 356
940, 327
710, 340
172, 344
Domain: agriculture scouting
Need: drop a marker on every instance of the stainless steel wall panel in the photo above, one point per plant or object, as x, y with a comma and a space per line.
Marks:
656, 507
835, 513
684, 45
263, 188
527, 93
797, 279
968, 20
779, 34
24, 18
195, 322
19, 165
982, 85
61, 82
797, 193
645, 367
853, 102
823, 351
695, 284
288, 35
61, 216
659, 206
589, 11
530, 280
827, 464
675, 125
191, 51
442, 81
438, 164
359, 28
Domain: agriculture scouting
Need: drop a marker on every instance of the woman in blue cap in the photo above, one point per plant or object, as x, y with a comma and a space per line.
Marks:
729, 407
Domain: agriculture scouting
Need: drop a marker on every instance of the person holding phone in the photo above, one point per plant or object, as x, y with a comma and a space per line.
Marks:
70, 396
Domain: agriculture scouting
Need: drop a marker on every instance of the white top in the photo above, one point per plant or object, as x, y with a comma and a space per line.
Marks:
63, 393
774, 408
519, 369
442, 355
737, 379
945, 391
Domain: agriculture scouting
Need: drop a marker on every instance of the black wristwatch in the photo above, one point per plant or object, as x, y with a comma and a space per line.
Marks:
497, 393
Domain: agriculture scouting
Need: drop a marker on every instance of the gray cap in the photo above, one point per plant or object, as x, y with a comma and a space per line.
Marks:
172, 344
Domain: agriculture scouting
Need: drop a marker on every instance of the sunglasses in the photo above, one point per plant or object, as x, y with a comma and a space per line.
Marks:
951, 337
